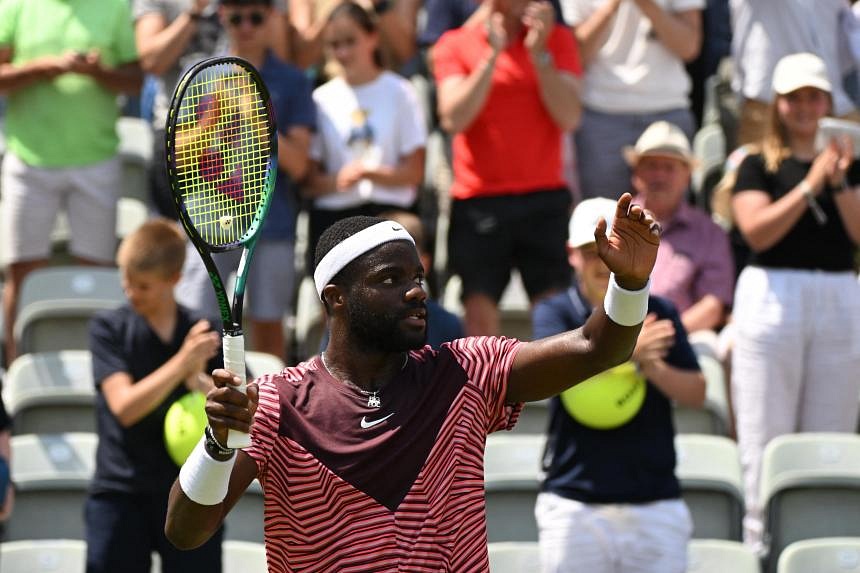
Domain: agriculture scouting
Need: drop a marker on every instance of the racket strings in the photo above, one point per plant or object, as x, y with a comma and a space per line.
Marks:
224, 150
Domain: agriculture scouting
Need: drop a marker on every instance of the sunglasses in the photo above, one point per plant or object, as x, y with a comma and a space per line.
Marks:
255, 18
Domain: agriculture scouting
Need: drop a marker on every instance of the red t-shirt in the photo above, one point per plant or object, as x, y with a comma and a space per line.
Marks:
513, 146
400, 487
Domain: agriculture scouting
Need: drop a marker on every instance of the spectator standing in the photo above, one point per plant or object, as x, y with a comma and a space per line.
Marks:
796, 346
694, 267
248, 37
610, 500
61, 66
368, 152
146, 354
633, 52
764, 31
507, 90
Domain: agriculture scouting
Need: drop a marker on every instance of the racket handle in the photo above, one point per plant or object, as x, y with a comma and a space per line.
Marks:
234, 361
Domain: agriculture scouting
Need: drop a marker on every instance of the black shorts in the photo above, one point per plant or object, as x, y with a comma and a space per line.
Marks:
490, 236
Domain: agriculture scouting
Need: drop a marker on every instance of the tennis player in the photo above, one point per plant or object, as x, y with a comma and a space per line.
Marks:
371, 454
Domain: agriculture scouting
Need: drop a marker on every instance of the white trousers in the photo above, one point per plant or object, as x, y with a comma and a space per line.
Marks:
576, 537
795, 364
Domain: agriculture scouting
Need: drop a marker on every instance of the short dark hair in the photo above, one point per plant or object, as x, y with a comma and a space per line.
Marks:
338, 232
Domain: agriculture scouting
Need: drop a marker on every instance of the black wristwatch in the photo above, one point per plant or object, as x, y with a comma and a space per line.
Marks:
213, 447
382, 6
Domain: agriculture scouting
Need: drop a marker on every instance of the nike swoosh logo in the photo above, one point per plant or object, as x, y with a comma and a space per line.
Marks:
365, 423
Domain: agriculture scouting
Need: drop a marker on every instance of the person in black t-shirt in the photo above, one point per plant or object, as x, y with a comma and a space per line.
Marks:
610, 500
146, 355
796, 349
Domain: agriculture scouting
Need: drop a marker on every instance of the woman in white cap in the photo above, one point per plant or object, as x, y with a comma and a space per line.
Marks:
797, 304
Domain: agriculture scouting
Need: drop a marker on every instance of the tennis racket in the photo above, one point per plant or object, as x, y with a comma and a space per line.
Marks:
221, 150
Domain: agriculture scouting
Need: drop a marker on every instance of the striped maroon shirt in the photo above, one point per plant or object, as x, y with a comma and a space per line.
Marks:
354, 488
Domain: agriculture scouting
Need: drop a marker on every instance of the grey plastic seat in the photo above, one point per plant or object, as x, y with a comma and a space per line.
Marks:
534, 418
511, 482
243, 557
135, 153
514, 557
43, 556
52, 473
259, 363
720, 556
713, 417
823, 555
51, 392
810, 488
56, 304
709, 470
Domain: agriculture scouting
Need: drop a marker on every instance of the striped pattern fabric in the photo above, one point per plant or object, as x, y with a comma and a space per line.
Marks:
316, 520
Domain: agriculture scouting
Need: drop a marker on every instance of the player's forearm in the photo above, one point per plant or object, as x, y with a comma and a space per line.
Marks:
569, 358
560, 96
127, 78
462, 99
189, 525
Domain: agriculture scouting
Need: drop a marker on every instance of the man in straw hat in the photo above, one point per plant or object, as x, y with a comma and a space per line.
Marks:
694, 267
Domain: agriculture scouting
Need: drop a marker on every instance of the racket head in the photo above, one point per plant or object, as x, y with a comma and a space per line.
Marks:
221, 152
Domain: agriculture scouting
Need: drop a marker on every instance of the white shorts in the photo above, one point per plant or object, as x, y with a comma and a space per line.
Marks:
577, 537
269, 286
32, 197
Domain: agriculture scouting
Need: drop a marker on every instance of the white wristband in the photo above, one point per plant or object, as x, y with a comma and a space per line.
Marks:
625, 307
204, 479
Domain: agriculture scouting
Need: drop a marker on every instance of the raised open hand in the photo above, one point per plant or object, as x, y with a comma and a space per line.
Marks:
630, 249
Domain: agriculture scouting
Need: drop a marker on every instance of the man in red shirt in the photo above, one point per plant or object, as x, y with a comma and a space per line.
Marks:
371, 455
507, 90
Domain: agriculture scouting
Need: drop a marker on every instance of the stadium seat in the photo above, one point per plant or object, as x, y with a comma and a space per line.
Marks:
56, 304
709, 147
135, 152
51, 473
514, 307
51, 392
514, 557
713, 417
43, 556
511, 481
534, 418
243, 557
245, 520
823, 555
259, 363
720, 556
709, 470
810, 488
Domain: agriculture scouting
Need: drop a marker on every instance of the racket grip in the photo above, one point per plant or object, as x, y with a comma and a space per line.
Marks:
234, 361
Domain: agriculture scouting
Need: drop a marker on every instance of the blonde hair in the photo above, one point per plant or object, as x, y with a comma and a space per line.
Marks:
156, 246
775, 145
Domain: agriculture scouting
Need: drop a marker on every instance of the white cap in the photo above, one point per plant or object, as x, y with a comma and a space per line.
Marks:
663, 139
802, 70
585, 217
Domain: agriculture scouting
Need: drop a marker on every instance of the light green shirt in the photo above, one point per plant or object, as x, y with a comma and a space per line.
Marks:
70, 120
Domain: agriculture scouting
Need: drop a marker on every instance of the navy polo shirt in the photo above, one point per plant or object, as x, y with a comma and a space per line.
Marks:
134, 459
634, 463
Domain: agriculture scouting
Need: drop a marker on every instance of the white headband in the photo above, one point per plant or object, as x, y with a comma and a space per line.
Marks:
353, 247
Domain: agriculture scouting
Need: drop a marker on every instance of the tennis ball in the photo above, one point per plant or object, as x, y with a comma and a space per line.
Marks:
607, 400
184, 425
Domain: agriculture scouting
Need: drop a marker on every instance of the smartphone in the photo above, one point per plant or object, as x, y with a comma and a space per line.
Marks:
829, 127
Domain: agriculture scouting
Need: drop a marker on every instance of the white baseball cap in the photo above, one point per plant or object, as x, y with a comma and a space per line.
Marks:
801, 70
663, 139
585, 217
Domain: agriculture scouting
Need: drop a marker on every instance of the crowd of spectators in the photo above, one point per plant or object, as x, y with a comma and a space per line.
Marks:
520, 91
